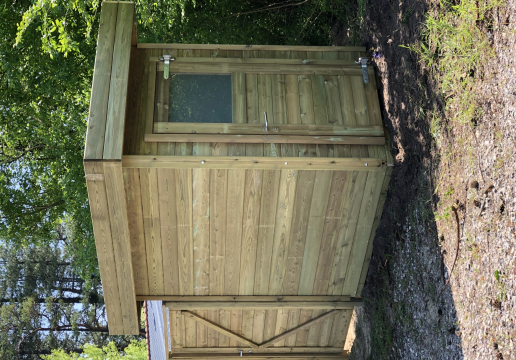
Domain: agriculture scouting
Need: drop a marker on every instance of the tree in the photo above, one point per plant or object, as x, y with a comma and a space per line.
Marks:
43, 110
45, 305
136, 350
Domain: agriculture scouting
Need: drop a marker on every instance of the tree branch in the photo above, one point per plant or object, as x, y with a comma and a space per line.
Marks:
266, 8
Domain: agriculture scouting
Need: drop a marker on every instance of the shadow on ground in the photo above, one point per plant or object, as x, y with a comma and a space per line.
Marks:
409, 313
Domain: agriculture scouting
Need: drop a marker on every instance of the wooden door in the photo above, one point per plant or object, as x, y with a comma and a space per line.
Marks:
276, 331
256, 100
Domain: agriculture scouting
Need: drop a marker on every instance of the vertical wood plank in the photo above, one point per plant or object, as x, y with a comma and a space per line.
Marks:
176, 330
269, 327
340, 328
347, 101
235, 207
360, 101
137, 90
377, 218
236, 325
268, 207
239, 98
281, 325
300, 217
306, 101
279, 99
94, 147
353, 193
282, 230
135, 216
302, 336
218, 212
330, 233
169, 239
166, 327
184, 230
104, 243
225, 322
115, 121
152, 229
316, 223
319, 93
331, 87
373, 103
121, 244
364, 226
251, 216
293, 322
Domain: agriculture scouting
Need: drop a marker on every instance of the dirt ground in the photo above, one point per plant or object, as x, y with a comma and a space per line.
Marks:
443, 272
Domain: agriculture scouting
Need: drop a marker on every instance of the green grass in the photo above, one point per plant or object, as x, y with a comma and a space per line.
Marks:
454, 49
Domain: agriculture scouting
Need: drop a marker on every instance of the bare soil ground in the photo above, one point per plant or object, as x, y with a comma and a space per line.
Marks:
442, 278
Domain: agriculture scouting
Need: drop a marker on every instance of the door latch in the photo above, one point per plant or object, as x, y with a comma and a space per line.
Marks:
166, 59
364, 62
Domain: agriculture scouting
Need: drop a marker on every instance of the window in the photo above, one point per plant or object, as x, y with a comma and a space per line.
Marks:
200, 98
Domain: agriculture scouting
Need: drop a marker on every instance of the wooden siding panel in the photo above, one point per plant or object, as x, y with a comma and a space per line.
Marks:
104, 243
169, 238
333, 217
316, 223
184, 230
152, 229
347, 101
115, 191
136, 231
300, 217
360, 100
94, 148
268, 207
250, 228
363, 232
115, 121
282, 230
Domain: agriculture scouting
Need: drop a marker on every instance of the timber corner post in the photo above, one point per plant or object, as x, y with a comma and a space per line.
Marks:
103, 167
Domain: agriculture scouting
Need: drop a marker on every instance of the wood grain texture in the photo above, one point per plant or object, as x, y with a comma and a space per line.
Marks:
184, 230
257, 140
296, 329
253, 162
152, 229
115, 121
316, 223
94, 147
280, 126
104, 243
136, 231
121, 244
251, 217
364, 227
300, 217
250, 47
267, 356
169, 231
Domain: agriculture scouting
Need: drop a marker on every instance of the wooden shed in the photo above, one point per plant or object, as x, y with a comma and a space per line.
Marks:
243, 189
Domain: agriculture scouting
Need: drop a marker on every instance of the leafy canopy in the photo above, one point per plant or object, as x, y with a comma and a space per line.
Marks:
136, 350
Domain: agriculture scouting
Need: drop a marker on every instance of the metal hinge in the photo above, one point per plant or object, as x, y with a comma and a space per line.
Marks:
364, 62
166, 59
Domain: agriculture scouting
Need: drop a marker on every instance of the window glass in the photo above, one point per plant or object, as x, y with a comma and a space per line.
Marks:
200, 98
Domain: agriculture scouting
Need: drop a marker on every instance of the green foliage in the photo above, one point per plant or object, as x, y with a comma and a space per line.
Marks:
60, 23
239, 22
136, 350
455, 48
44, 104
